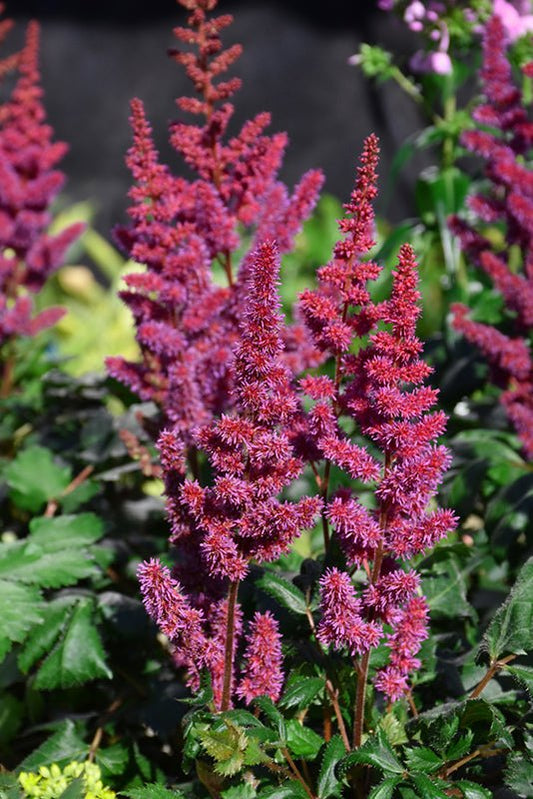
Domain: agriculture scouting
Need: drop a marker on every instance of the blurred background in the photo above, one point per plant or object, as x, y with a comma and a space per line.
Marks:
96, 55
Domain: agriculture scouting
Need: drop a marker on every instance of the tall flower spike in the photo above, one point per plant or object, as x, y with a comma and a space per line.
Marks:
28, 184
187, 325
380, 388
508, 202
263, 658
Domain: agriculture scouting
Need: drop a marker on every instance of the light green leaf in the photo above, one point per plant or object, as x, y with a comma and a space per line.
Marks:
34, 478
78, 657
60, 532
523, 675
75, 790
267, 706
302, 741
21, 609
328, 784
30, 563
446, 593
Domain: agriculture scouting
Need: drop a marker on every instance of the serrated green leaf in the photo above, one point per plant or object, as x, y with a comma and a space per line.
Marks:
472, 791
328, 783
62, 747
112, 760
421, 758
44, 635
66, 532
301, 692
29, 563
460, 747
511, 629
34, 478
284, 592
245, 790
153, 790
9, 787
429, 789
523, 675
375, 752
446, 593
78, 657
519, 775
302, 741
21, 609
385, 789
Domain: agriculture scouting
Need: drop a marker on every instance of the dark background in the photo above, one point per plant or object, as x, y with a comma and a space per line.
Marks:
97, 55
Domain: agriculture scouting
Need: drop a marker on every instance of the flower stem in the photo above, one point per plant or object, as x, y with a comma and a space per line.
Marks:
229, 645
295, 770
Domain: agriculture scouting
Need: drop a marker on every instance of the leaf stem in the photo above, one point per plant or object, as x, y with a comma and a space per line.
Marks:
295, 770
494, 667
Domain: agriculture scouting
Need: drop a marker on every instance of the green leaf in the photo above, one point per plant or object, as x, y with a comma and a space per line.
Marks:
301, 692
288, 790
62, 747
385, 789
267, 706
328, 783
34, 478
284, 592
473, 791
153, 790
11, 714
244, 790
21, 609
9, 786
446, 592
460, 747
66, 532
44, 634
302, 741
428, 789
30, 563
78, 657
423, 759
511, 629
519, 775
75, 790
523, 675
375, 752
112, 760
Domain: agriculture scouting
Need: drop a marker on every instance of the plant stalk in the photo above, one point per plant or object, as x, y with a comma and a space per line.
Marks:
229, 645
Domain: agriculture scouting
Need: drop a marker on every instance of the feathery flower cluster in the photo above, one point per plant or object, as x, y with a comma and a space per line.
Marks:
186, 323
373, 419
509, 202
381, 389
28, 184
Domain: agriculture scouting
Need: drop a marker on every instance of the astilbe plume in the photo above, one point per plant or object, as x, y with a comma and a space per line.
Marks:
187, 324
381, 389
504, 147
239, 518
28, 185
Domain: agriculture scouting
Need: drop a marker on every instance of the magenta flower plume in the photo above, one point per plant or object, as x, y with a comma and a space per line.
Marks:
508, 202
381, 389
409, 630
239, 518
262, 673
28, 184
342, 623
181, 230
